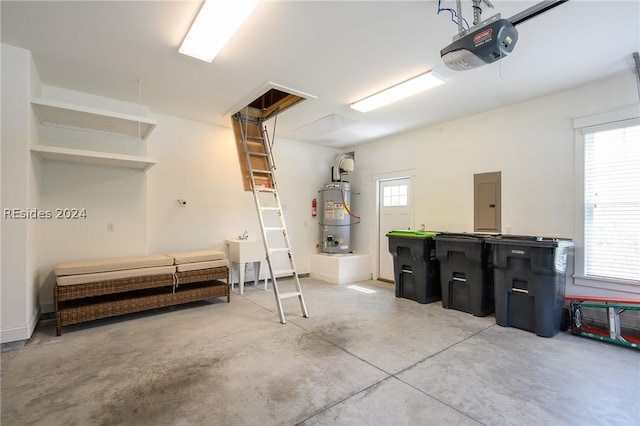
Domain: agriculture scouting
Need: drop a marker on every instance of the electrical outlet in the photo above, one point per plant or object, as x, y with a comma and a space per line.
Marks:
110, 227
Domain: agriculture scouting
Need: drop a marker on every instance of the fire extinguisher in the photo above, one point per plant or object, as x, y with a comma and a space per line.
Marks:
314, 208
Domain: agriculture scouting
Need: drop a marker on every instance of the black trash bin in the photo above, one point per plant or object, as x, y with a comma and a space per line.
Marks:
415, 265
466, 273
530, 277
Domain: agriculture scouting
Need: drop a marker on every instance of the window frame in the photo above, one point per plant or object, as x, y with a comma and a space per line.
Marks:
396, 197
624, 117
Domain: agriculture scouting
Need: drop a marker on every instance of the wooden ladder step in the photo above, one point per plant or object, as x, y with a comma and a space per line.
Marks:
265, 189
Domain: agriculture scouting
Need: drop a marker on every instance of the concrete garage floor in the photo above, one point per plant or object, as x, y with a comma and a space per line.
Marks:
360, 359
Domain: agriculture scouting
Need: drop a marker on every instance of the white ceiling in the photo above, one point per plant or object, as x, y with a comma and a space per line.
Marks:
337, 51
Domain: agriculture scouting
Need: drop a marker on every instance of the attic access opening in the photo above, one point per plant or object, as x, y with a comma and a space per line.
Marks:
271, 102
252, 142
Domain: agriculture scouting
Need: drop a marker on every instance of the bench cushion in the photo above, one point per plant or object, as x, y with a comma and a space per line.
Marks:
113, 275
111, 264
196, 266
197, 256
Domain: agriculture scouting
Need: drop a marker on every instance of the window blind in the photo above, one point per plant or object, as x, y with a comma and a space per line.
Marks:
612, 204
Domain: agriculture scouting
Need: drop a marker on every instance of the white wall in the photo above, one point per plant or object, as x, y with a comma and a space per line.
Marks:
18, 288
109, 195
532, 143
198, 163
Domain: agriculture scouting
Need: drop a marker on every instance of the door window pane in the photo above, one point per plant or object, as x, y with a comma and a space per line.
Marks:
395, 196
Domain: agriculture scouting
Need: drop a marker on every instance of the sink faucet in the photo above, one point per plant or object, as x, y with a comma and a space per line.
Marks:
244, 236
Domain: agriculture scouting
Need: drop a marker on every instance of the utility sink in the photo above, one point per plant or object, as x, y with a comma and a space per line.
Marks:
242, 252
246, 251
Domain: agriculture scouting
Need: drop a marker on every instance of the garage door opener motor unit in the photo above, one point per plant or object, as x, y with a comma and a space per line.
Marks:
487, 41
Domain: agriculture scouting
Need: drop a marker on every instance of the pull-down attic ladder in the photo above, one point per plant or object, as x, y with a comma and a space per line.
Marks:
257, 166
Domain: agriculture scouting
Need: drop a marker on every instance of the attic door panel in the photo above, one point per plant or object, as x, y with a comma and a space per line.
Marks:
257, 163
487, 202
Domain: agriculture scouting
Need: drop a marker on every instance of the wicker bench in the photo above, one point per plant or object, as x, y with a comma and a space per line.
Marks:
94, 289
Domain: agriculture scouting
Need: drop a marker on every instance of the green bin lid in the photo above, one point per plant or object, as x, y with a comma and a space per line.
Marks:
407, 233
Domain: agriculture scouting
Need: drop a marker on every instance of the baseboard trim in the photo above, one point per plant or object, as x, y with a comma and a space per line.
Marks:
14, 334
23, 332
34, 321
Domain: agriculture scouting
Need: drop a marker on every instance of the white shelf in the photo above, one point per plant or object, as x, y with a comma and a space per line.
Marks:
54, 153
56, 113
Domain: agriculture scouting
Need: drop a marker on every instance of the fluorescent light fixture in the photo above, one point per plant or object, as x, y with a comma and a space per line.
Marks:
214, 26
399, 91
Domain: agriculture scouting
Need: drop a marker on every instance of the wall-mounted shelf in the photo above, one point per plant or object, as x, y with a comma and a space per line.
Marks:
56, 113
54, 153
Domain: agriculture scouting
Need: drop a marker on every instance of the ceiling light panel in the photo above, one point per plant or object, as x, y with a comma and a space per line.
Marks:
400, 91
216, 22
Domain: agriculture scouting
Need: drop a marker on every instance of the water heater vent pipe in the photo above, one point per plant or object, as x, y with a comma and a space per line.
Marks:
344, 164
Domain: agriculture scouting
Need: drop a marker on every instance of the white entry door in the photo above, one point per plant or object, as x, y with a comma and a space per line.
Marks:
395, 212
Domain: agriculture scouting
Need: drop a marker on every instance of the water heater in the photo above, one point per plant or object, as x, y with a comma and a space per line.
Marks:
335, 222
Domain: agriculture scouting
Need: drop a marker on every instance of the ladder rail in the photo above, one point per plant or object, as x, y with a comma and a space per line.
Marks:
286, 249
265, 242
257, 190
267, 147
